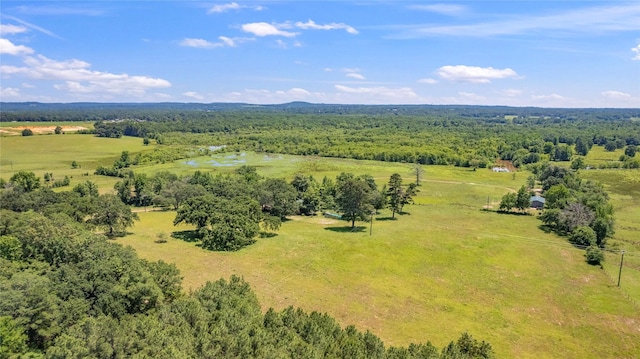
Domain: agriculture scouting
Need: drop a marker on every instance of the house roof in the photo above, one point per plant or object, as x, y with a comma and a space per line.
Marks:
537, 198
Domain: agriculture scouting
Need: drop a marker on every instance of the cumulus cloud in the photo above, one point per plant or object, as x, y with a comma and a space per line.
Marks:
9, 92
265, 29
636, 50
474, 74
310, 24
8, 29
204, 44
9, 48
193, 95
78, 77
220, 8
428, 81
615, 95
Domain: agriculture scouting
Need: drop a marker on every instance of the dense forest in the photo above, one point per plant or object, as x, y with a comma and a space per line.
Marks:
469, 136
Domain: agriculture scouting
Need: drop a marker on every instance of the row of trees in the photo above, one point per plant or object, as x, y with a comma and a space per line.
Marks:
229, 210
574, 207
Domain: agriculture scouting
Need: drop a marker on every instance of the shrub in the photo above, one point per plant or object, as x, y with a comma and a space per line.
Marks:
27, 132
594, 255
583, 236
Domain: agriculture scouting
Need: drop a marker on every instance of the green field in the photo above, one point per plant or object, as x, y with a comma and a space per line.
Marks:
443, 268
445, 262
54, 154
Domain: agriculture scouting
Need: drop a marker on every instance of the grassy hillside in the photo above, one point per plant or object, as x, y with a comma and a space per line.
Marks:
444, 268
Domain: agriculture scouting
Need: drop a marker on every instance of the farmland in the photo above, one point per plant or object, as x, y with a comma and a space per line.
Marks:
442, 268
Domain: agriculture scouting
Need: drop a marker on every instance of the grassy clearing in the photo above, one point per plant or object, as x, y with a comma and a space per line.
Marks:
54, 154
598, 156
444, 268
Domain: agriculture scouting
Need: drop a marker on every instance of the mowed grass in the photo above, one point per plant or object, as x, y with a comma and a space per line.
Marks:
444, 268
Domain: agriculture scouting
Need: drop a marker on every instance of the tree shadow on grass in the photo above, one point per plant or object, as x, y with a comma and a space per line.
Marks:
267, 234
545, 228
513, 213
386, 219
187, 236
346, 229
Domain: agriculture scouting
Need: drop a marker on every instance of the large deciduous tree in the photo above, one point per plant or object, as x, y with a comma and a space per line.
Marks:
354, 198
113, 215
25, 181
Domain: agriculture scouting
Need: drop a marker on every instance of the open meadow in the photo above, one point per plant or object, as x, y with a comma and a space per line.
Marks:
444, 267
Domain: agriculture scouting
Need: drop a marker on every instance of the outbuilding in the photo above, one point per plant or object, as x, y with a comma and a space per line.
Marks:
537, 202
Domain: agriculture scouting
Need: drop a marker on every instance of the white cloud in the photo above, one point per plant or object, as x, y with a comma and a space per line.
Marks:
77, 77
227, 41
444, 9
33, 27
9, 48
216, 9
224, 8
355, 75
9, 92
193, 95
615, 95
11, 29
474, 74
199, 43
428, 81
204, 44
310, 24
265, 29
637, 52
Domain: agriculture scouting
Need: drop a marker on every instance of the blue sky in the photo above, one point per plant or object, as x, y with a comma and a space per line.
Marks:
516, 53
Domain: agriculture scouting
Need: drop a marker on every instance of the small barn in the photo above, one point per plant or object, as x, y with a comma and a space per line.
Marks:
537, 202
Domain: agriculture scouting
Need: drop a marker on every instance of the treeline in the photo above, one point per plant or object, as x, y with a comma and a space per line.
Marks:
470, 136
429, 139
66, 292
229, 210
